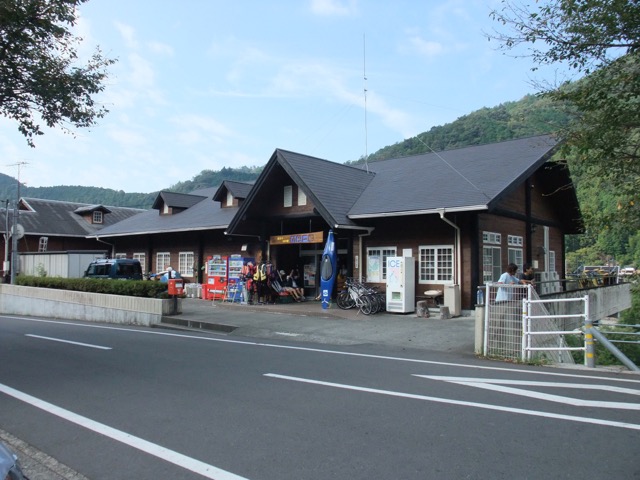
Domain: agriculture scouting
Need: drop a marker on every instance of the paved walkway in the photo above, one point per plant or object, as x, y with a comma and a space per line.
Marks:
308, 322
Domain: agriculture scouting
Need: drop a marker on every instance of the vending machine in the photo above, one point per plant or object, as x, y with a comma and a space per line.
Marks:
235, 278
217, 277
401, 284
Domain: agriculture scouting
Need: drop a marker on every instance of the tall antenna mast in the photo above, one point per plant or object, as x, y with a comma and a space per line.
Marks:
364, 71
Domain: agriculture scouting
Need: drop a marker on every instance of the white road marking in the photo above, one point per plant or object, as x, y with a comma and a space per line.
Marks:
188, 463
68, 341
520, 411
331, 352
496, 385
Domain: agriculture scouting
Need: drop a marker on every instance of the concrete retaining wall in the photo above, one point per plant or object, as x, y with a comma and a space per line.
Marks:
91, 307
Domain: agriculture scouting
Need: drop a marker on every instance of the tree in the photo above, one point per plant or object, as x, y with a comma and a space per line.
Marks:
601, 40
41, 80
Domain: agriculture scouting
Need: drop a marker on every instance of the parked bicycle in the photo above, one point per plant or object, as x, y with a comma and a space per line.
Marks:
367, 299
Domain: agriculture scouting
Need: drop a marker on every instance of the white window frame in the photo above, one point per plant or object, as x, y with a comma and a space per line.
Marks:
42, 244
552, 261
163, 260
491, 263
142, 258
120, 255
185, 263
436, 264
515, 241
302, 198
229, 199
377, 262
492, 238
516, 256
97, 217
288, 196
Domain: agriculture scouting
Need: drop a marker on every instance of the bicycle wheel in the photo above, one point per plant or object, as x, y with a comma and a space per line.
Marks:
344, 300
375, 303
365, 304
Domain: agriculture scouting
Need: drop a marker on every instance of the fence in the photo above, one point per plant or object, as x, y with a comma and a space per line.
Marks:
504, 332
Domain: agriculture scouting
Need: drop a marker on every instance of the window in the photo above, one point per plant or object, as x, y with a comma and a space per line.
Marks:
302, 198
142, 258
515, 256
121, 255
436, 264
491, 265
229, 199
552, 261
163, 260
491, 237
42, 244
377, 262
514, 241
288, 196
97, 217
185, 264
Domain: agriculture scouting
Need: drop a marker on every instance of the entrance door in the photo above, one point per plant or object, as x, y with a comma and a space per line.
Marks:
310, 274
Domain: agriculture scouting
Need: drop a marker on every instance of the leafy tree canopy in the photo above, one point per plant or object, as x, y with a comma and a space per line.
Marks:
41, 80
601, 39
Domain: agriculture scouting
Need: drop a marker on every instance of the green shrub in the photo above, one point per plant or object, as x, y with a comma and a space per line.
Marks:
129, 288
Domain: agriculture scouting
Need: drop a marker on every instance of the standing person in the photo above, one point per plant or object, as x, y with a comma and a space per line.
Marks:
507, 278
527, 276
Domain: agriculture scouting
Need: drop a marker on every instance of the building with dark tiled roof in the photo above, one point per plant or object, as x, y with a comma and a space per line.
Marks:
59, 226
462, 215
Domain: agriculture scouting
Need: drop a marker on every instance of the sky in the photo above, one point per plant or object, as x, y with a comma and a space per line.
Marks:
206, 84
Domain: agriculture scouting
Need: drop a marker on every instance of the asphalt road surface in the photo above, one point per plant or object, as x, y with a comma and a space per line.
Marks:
124, 402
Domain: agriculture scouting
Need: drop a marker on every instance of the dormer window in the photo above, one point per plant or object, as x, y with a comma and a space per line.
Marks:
97, 216
229, 199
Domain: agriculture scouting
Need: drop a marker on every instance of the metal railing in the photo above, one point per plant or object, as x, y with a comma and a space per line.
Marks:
520, 326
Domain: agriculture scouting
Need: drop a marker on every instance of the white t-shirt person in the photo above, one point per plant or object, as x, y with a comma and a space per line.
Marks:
507, 278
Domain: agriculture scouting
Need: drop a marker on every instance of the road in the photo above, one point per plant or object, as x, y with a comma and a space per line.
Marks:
125, 402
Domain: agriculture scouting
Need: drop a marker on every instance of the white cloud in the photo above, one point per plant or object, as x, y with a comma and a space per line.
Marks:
333, 7
128, 35
194, 129
427, 48
161, 48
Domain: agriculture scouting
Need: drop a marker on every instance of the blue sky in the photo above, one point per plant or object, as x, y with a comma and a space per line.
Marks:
207, 84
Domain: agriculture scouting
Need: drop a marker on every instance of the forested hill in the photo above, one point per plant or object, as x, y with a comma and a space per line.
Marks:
528, 116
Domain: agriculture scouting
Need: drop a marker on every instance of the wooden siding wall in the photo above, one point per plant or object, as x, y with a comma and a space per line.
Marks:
203, 244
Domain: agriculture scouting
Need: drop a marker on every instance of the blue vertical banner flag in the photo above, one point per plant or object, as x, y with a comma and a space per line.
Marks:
328, 268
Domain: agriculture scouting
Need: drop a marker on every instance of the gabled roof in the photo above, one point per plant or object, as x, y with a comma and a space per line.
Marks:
203, 215
331, 187
176, 200
463, 179
237, 189
58, 218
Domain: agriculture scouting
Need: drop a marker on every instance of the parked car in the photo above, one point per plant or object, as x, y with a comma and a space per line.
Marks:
9, 465
627, 271
115, 268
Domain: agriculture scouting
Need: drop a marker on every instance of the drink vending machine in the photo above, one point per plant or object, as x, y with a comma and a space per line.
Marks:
235, 278
401, 284
217, 277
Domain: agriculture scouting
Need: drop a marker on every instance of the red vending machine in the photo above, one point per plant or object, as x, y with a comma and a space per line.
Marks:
217, 268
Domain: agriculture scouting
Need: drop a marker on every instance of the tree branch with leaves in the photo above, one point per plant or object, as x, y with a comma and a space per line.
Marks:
41, 78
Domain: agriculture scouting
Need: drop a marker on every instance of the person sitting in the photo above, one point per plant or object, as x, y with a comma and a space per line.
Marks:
291, 286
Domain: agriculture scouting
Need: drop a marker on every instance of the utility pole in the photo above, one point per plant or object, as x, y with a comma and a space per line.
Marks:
14, 229
6, 263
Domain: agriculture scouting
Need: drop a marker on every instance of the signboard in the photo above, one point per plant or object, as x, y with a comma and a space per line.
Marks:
296, 238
